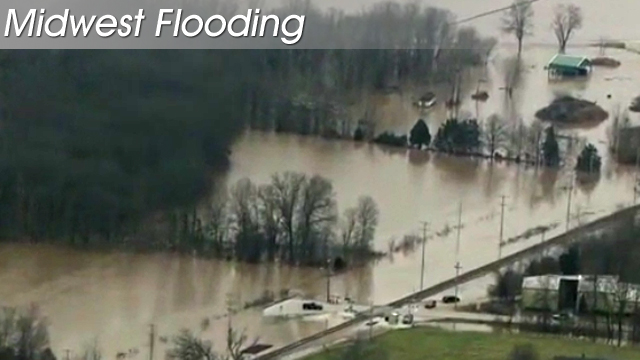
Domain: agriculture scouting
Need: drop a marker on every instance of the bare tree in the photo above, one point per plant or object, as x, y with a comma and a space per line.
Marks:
317, 214
348, 229
23, 333
269, 218
91, 351
517, 138
237, 342
367, 214
244, 211
288, 188
567, 19
187, 346
495, 134
8, 318
216, 226
534, 140
519, 21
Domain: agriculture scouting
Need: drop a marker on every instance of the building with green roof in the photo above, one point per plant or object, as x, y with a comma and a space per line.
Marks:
568, 66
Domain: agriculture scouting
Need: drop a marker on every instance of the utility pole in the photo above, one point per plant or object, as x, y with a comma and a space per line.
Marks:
635, 177
425, 226
231, 301
569, 203
459, 228
328, 280
370, 320
502, 204
152, 338
457, 266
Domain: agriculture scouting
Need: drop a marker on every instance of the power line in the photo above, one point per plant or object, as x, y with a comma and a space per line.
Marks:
491, 12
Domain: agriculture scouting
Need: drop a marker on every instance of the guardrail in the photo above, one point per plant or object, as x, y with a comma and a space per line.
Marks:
465, 277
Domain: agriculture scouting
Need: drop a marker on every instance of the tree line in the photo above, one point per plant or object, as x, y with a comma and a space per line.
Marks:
293, 219
94, 144
494, 139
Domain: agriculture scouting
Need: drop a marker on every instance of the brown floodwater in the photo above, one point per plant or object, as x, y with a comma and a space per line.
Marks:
114, 297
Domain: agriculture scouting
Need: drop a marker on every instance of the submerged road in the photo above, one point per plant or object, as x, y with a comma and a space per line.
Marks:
562, 239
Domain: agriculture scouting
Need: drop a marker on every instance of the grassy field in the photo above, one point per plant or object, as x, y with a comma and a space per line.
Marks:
434, 344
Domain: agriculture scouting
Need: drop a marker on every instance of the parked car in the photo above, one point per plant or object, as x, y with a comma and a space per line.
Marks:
450, 299
562, 318
407, 319
430, 304
312, 306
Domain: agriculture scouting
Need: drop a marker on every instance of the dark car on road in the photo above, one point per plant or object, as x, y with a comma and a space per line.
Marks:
450, 299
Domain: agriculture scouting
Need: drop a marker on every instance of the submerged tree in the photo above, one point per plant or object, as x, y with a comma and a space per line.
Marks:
589, 161
24, 335
567, 19
495, 134
420, 135
519, 21
458, 136
550, 148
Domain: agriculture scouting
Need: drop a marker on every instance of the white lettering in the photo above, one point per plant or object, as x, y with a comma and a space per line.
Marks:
207, 26
139, 19
178, 19
186, 22
124, 23
63, 20
297, 33
82, 22
161, 21
100, 25
265, 21
246, 19
13, 18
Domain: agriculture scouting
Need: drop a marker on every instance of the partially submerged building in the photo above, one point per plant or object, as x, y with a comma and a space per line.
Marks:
568, 66
579, 293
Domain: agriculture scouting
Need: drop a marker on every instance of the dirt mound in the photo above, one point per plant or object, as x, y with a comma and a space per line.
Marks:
569, 110
605, 61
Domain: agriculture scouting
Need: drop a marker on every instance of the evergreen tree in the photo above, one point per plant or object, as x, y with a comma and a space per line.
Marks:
550, 148
589, 160
420, 135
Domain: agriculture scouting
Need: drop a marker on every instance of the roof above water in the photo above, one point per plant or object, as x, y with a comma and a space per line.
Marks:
552, 282
560, 60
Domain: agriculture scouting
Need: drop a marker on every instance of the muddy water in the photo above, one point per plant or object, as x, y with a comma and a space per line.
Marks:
615, 21
114, 297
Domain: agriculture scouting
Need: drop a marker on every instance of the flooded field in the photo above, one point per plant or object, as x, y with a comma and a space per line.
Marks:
115, 297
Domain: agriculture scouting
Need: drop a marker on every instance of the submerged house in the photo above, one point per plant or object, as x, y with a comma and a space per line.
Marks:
568, 66
579, 293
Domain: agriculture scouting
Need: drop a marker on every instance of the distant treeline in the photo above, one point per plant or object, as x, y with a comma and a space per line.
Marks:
94, 142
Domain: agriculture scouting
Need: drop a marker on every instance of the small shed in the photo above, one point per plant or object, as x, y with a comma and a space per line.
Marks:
568, 66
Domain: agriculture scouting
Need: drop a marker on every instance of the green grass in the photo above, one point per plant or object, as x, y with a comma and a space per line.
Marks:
428, 343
